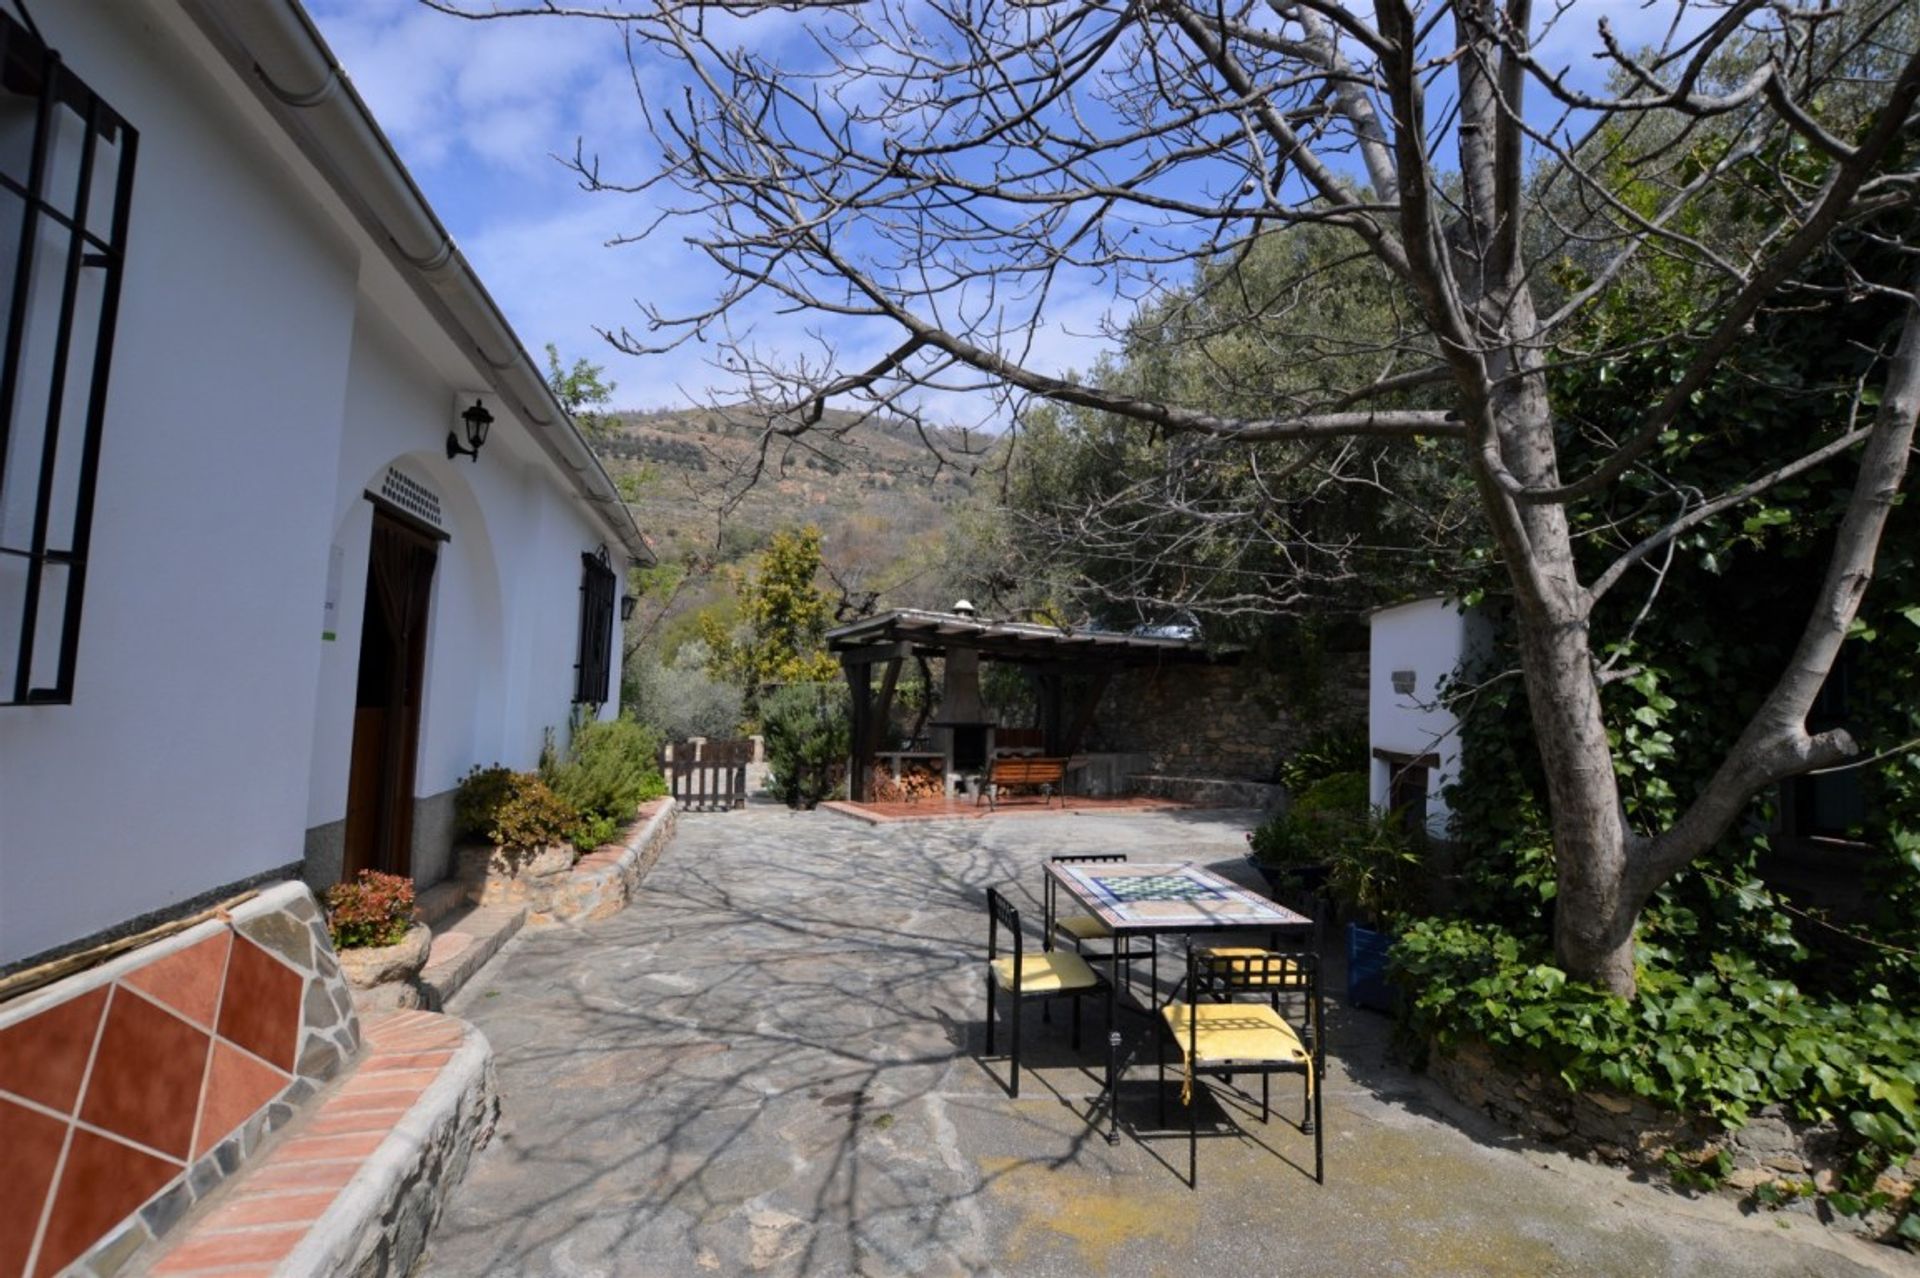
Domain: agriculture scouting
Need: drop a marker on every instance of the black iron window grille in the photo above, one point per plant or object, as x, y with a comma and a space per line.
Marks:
66, 183
594, 672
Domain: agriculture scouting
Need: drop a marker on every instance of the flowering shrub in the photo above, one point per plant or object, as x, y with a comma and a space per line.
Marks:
374, 909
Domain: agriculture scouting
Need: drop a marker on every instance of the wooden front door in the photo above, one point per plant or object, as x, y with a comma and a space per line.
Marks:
386, 715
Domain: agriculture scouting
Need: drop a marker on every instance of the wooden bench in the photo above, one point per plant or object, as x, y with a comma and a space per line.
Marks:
1049, 775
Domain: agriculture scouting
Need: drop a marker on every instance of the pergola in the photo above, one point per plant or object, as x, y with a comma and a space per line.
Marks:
1050, 653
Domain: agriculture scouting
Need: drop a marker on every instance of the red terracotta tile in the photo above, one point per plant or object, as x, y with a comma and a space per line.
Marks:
146, 1077
261, 1010
103, 1183
305, 1178
306, 1148
44, 1057
29, 1151
216, 1251
237, 1086
189, 981
269, 1209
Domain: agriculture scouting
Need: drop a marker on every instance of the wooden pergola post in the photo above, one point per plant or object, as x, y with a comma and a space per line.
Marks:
868, 714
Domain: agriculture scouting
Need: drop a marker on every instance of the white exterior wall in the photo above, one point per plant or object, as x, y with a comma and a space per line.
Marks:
1430, 637
259, 386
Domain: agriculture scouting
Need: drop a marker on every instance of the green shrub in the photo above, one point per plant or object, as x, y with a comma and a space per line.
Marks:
1722, 1042
530, 816
1343, 792
808, 735
374, 909
1341, 748
1286, 840
612, 767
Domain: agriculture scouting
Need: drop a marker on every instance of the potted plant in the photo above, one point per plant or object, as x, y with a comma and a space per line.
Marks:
1375, 876
381, 947
1291, 849
1290, 856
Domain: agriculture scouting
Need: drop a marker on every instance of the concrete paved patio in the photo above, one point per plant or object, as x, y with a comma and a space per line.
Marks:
769, 1064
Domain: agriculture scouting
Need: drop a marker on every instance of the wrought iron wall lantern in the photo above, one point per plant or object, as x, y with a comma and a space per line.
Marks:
476, 419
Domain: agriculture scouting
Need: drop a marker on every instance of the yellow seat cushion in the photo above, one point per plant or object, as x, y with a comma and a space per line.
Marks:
1284, 973
1083, 927
1251, 1032
1049, 972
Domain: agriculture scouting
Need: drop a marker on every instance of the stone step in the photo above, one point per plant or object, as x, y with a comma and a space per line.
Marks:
441, 900
463, 941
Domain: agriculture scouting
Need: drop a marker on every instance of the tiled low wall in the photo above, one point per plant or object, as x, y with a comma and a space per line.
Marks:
128, 1091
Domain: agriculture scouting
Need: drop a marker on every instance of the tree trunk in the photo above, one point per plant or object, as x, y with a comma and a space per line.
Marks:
1595, 908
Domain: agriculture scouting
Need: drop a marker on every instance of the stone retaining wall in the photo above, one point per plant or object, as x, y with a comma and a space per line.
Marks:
1209, 792
605, 879
1628, 1131
1229, 721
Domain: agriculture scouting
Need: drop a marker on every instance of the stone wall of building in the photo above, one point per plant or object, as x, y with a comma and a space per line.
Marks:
1770, 1149
1224, 722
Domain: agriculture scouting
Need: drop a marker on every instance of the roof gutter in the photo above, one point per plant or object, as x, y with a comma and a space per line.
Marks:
275, 46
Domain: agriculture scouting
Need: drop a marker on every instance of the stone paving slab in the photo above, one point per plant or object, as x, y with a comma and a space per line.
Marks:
769, 1064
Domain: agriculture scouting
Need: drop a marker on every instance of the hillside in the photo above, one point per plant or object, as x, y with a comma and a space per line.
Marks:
876, 493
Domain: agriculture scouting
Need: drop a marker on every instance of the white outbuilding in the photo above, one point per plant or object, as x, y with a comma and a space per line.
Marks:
258, 610
1416, 651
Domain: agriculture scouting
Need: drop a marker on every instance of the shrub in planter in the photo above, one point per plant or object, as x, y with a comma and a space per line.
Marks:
612, 767
531, 816
513, 810
808, 734
1294, 850
374, 909
479, 796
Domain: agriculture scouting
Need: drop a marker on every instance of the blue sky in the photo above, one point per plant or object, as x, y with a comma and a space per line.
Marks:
479, 110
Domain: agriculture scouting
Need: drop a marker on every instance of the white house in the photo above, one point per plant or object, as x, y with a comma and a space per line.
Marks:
255, 620
1415, 649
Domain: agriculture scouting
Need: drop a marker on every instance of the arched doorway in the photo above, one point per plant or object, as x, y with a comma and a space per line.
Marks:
401, 559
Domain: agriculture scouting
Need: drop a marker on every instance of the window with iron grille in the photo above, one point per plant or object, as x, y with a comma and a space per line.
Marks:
66, 182
594, 672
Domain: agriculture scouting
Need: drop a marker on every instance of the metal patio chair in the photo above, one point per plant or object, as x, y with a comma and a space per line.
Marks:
1218, 1035
1083, 928
1024, 975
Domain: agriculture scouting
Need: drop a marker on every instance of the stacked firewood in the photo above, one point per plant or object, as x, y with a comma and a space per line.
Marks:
916, 782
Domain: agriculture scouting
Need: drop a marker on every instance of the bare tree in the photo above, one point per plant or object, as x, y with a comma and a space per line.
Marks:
950, 171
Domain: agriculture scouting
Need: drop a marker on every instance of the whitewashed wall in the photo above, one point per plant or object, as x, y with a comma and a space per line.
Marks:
1431, 638
260, 384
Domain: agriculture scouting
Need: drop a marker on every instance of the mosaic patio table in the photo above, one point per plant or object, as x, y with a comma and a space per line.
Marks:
1153, 899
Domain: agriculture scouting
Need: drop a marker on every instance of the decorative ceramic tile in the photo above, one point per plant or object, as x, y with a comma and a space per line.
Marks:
261, 1010
189, 981
237, 1086
147, 1076
44, 1057
104, 1181
29, 1151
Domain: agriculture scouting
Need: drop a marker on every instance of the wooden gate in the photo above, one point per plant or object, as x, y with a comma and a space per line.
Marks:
708, 776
